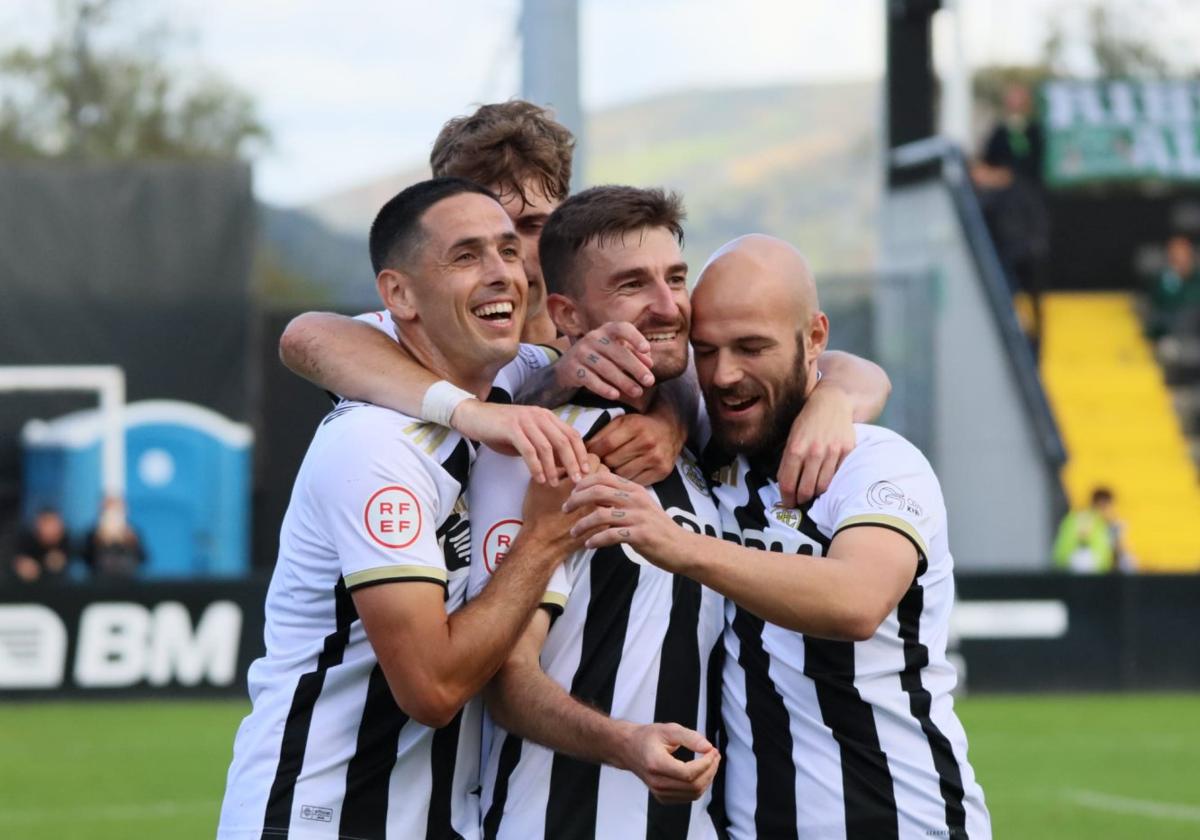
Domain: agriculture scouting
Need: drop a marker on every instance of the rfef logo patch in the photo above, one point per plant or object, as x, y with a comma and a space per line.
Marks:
498, 542
393, 517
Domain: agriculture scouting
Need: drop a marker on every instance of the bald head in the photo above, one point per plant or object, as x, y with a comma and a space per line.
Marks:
762, 267
756, 333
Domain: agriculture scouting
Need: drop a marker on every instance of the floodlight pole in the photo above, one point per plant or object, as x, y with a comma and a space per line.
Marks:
550, 67
108, 381
910, 78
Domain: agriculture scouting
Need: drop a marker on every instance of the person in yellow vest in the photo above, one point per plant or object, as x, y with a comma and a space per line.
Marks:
1089, 540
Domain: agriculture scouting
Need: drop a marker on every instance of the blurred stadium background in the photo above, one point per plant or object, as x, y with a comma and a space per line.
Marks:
175, 186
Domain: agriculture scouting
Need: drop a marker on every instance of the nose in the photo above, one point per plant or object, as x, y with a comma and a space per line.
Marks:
726, 371
499, 272
662, 303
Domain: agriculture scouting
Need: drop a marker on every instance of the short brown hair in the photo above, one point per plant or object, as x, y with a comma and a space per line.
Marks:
601, 214
505, 144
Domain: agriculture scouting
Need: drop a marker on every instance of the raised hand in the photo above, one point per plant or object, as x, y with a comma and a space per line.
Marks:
611, 361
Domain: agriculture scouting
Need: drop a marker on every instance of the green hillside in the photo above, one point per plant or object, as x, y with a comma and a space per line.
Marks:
798, 161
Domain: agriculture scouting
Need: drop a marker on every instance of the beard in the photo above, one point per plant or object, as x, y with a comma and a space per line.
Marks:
667, 364
767, 437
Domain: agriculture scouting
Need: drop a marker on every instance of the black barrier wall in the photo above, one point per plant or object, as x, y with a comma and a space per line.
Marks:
117, 640
1014, 633
1118, 632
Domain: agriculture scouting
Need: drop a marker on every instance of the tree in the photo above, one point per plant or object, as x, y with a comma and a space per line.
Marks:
76, 100
1108, 41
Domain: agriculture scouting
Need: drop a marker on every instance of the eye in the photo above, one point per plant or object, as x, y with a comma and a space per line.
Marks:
631, 285
511, 251
533, 226
702, 350
465, 257
677, 281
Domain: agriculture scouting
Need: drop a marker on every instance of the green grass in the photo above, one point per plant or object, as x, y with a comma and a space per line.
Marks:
109, 771
1061, 767
1088, 766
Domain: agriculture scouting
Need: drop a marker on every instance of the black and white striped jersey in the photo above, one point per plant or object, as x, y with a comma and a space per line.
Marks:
325, 751
632, 640
835, 739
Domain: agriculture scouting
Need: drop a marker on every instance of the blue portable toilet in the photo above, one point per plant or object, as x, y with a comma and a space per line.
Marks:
187, 483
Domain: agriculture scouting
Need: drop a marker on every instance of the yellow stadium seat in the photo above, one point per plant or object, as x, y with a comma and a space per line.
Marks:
1119, 425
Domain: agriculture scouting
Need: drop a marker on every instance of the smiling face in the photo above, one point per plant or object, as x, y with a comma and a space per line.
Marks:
756, 337
640, 277
466, 288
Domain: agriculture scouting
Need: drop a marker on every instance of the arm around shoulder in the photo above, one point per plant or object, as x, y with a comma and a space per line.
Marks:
354, 360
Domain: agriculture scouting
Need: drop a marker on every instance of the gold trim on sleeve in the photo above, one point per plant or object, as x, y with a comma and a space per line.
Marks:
554, 599
381, 574
886, 521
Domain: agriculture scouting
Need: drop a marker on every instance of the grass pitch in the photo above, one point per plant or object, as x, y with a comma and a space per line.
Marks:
1079, 766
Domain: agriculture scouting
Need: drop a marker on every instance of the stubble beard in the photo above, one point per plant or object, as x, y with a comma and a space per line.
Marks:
771, 433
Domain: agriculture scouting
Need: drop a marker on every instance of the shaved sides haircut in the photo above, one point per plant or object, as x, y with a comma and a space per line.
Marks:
396, 233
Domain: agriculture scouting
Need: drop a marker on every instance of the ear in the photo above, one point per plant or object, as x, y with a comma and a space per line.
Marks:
818, 335
397, 293
566, 315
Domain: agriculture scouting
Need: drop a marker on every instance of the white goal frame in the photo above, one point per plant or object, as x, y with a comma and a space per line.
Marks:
108, 383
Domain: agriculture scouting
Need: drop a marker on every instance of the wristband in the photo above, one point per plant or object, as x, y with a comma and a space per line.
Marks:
440, 400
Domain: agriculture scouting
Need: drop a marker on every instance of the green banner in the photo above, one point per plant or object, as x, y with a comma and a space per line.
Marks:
1120, 130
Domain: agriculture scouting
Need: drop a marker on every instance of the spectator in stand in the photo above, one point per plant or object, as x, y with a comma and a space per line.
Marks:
113, 548
1090, 541
1009, 179
42, 550
1175, 294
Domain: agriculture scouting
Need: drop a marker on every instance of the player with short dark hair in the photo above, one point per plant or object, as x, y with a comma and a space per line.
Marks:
520, 152
360, 725
620, 681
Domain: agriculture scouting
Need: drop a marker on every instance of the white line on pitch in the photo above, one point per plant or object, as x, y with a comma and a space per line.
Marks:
1139, 807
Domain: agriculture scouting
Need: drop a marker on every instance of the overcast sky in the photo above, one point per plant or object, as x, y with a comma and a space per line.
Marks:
358, 88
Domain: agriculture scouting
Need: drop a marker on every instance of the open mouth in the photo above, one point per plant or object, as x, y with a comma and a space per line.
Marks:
736, 405
499, 313
661, 337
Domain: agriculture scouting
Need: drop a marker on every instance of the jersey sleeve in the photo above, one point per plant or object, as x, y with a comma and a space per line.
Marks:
886, 482
380, 320
381, 502
496, 496
529, 360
